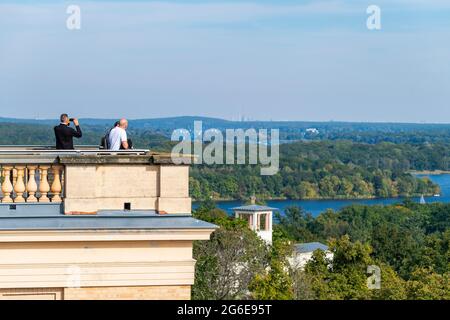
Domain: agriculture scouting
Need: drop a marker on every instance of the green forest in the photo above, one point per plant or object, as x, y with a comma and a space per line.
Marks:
43, 135
408, 242
328, 170
323, 169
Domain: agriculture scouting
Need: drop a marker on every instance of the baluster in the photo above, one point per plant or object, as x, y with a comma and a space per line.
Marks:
56, 185
13, 181
44, 187
14, 176
63, 176
19, 186
7, 187
32, 185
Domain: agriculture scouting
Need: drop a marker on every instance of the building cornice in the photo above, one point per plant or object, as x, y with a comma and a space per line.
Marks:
104, 235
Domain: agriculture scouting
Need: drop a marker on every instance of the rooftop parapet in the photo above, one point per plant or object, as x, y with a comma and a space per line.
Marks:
95, 224
88, 179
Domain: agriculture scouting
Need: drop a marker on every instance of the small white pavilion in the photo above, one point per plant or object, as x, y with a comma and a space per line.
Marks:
259, 219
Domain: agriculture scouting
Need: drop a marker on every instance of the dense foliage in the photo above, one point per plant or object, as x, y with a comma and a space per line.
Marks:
227, 264
308, 170
289, 130
328, 169
409, 243
43, 135
403, 236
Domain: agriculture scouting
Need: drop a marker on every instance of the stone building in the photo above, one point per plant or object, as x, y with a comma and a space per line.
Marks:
259, 218
89, 224
303, 253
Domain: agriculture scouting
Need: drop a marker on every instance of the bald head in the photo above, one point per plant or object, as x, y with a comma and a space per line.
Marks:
123, 123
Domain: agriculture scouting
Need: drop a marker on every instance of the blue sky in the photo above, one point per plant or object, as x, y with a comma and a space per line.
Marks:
280, 60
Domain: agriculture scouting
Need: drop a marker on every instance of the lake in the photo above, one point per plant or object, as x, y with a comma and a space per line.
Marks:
315, 207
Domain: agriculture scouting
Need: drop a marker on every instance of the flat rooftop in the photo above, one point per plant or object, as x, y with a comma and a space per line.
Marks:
50, 217
254, 208
310, 247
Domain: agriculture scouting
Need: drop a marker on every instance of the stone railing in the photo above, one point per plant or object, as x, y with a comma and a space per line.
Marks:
89, 180
94, 224
31, 183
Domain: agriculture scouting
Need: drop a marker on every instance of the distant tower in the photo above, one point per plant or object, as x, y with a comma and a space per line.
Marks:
259, 219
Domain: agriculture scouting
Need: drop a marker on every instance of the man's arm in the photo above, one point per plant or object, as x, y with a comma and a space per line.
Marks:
77, 133
124, 140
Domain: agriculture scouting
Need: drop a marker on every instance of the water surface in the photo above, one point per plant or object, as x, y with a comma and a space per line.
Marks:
315, 207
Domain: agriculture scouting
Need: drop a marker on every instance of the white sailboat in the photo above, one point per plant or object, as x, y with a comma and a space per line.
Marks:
422, 200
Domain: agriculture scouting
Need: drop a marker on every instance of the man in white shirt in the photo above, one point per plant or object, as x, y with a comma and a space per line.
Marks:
118, 136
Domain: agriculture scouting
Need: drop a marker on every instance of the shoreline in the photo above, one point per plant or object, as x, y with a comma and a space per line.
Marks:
323, 199
344, 198
430, 173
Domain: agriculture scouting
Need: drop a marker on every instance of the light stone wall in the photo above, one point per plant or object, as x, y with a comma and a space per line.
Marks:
99, 293
32, 294
93, 187
129, 293
107, 264
174, 181
123, 268
130, 263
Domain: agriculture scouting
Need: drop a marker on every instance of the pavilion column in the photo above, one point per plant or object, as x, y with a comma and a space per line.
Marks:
270, 221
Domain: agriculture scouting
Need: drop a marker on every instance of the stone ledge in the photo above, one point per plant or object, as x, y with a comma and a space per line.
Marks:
20, 236
97, 274
126, 158
74, 157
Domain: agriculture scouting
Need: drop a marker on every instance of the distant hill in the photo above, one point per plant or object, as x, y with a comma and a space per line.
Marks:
367, 132
188, 122
41, 133
329, 168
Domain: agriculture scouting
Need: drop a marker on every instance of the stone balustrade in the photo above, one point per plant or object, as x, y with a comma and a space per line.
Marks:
31, 183
94, 224
92, 180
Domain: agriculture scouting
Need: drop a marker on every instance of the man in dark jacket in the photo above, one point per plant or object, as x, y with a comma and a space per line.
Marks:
64, 134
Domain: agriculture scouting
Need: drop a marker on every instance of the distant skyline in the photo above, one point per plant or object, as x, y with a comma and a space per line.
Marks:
264, 60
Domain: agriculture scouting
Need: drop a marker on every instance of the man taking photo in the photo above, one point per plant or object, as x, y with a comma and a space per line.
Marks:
64, 133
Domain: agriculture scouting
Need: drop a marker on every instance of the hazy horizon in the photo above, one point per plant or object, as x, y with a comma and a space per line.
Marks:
300, 60
218, 118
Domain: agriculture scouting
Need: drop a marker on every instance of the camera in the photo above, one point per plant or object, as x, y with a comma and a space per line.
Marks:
71, 119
